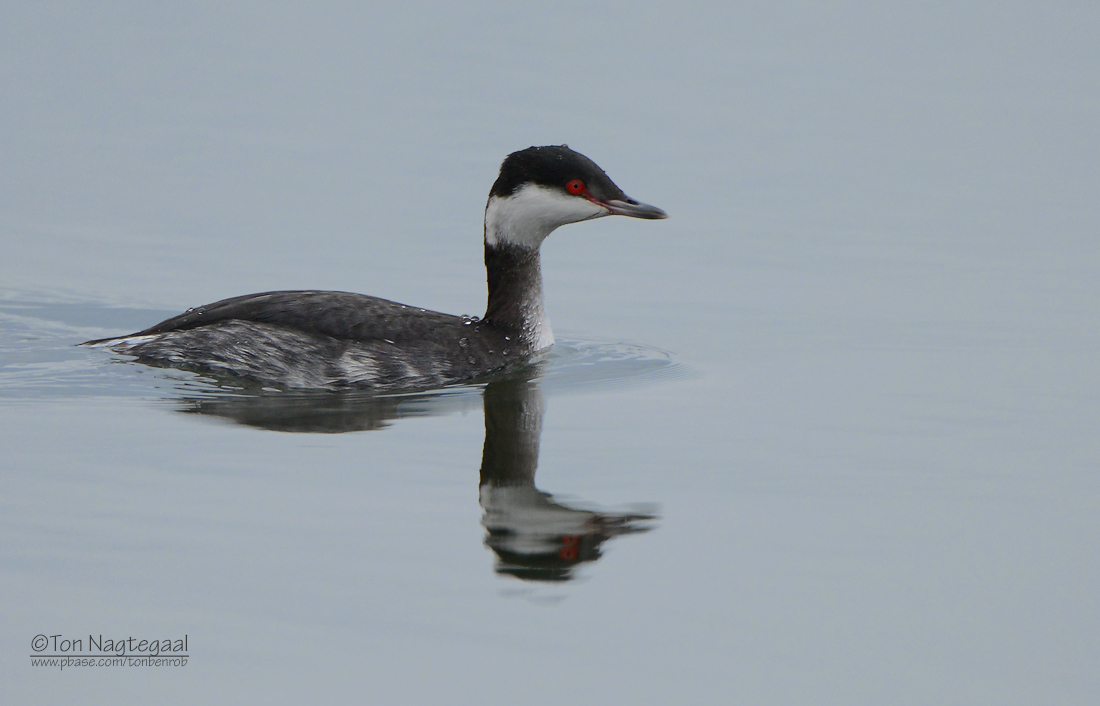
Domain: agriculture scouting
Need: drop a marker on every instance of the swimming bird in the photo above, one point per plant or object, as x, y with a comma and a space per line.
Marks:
323, 339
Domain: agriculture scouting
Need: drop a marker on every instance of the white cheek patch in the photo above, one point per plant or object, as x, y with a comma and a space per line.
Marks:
532, 213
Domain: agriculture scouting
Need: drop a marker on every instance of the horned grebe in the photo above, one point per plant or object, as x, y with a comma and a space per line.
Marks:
318, 339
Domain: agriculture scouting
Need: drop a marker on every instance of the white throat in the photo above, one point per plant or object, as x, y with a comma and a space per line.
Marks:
533, 212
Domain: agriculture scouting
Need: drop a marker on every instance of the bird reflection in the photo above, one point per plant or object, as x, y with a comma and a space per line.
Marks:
534, 536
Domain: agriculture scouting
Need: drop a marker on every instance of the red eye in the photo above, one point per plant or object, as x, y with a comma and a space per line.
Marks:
575, 186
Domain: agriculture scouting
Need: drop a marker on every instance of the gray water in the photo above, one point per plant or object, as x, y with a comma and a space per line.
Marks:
827, 435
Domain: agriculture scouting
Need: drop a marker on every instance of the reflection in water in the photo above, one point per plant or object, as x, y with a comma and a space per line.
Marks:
533, 536
322, 412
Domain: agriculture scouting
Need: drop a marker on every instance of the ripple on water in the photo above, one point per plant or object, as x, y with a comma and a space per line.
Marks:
588, 364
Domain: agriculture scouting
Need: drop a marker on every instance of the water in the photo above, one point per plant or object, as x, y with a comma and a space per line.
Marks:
826, 435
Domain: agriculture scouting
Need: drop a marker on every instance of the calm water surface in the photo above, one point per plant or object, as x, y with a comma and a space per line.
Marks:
827, 435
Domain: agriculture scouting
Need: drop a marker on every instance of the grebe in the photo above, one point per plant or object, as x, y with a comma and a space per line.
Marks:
318, 339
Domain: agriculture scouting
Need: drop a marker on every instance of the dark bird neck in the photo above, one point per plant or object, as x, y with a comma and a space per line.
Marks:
515, 294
